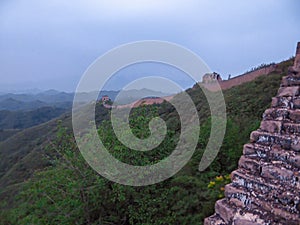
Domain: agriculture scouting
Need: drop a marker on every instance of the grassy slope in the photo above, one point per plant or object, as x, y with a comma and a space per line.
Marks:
19, 152
7, 133
24, 152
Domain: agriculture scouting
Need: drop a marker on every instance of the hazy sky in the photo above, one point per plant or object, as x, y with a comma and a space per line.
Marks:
49, 44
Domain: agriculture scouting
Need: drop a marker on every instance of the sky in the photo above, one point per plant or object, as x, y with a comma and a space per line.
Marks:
50, 44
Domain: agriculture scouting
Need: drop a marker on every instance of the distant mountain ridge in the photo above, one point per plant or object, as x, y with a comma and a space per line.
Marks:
53, 98
47, 97
20, 111
26, 91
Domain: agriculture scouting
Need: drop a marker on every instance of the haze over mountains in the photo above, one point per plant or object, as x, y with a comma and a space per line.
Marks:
19, 111
29, 101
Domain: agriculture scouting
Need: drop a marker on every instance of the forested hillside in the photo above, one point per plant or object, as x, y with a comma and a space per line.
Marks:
22, 119
45, 180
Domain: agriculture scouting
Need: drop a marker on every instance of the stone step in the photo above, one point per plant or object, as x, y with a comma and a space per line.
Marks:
273, 171
291, 91
286, 102
253, 163
287, 142
233, 215
290, 80
280, 127
293, 114
269, 210
269, 154
271, 126
257, 150
225, 210
214, 220
279, 194
251, 219
240, 178
290, 128
276, 114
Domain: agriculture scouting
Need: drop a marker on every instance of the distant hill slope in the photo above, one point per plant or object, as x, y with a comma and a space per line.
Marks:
6, 133
25, 151
26, 119
14, 105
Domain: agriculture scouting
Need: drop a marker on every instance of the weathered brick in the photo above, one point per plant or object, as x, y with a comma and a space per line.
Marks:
249, 164
214, 220
244, 222
251, 183
291, 128
272, 172
248, 149
295, 145
288, 91
276, 114
295, 160
223, 209
267, 139
275, 102
236, 196
290, 217
296, 103
271, 126
290, 81
282, 102
295, 116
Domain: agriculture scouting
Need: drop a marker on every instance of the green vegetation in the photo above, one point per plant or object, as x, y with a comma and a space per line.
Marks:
218, 185
68, 191
6, 133
26, 119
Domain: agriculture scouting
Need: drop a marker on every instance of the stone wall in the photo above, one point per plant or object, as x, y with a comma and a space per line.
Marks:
265, 188
238, 80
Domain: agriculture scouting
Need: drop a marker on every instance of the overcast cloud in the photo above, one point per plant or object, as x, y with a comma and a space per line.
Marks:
49, 44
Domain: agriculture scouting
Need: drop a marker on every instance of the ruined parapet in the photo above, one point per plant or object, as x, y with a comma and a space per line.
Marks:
295, 69
211, 78
265, 188
297, 59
